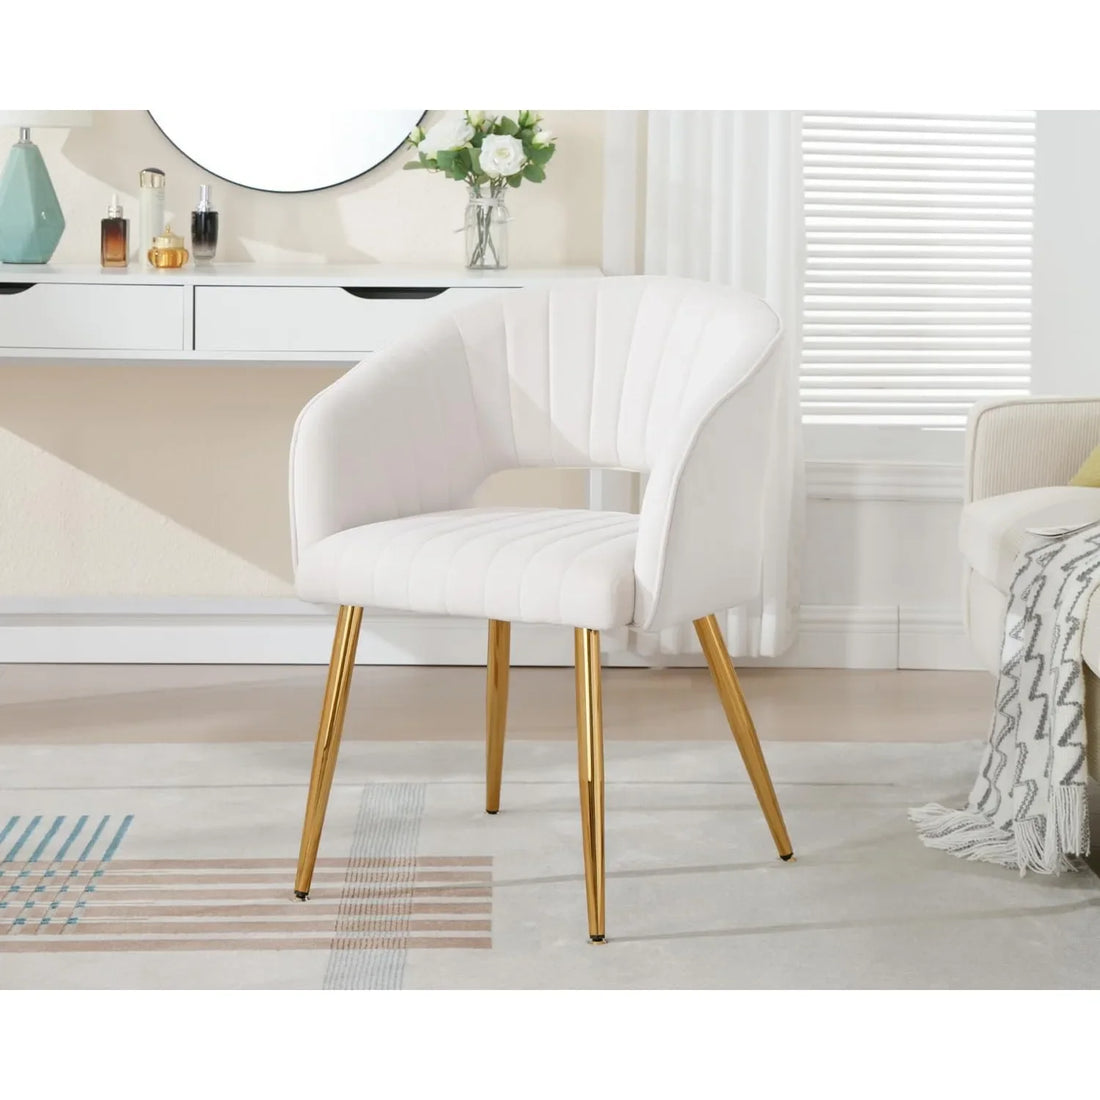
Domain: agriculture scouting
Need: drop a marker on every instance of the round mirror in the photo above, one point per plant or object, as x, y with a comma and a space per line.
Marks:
286, 150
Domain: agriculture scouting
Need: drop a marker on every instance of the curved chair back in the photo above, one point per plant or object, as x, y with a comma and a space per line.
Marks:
669, 377
597, 372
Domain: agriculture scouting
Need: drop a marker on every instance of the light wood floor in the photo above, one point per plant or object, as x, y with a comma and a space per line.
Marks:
164, 703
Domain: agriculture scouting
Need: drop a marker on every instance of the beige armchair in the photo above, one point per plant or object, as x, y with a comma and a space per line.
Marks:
1020, 454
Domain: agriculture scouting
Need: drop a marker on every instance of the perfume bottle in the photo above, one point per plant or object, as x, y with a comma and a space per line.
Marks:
204, 227
113, 236
151, 218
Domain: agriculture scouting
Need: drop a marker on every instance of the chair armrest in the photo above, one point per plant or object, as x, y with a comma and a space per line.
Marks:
701, 524
395, 436
1028, 442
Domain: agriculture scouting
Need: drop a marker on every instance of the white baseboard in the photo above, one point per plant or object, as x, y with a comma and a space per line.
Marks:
234, 631
934, 638
839, 637
287, 631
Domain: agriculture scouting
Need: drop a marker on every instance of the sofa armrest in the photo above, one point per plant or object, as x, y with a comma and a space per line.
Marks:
1028, 442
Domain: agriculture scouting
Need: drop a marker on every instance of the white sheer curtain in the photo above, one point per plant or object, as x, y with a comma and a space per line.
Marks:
723, 201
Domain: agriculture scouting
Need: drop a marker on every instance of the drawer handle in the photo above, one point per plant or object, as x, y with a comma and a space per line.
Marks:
15, 288
391, 293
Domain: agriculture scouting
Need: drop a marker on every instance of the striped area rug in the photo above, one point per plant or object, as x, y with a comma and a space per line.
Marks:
170, 866
66, 885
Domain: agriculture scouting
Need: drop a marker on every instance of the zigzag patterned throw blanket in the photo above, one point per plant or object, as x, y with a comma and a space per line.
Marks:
1027, 809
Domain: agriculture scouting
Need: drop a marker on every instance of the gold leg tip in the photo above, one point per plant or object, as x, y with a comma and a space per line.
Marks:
788, 858
302, 895
596, 939
492, 811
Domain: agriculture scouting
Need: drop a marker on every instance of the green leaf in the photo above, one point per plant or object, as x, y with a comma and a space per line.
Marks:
540, 154
516, 180
534, 173
445, 158
414, 164
507, 126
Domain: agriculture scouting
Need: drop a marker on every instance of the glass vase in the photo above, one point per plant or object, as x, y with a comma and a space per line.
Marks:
486, 230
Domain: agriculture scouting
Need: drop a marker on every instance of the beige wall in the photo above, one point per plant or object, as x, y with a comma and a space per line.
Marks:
171, 480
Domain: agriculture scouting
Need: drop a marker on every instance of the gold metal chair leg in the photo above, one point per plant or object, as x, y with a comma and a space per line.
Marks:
496, 709
741, 725
590, 769
328, 742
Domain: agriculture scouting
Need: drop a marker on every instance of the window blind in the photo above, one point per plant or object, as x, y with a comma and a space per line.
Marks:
917, 285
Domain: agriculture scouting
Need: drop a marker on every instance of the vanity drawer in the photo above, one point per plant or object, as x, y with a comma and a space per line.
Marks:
87, 316
320, 318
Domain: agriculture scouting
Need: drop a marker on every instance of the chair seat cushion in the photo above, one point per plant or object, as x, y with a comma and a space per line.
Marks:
534, 565
994, 530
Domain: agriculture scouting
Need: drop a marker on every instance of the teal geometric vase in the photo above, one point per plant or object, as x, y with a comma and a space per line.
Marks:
31, 222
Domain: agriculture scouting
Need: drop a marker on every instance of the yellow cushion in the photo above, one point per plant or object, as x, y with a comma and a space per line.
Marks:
1089, 473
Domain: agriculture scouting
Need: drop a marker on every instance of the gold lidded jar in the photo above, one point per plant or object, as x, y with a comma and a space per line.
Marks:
168, 250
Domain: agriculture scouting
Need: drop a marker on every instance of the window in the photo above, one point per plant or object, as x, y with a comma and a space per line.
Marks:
917, 292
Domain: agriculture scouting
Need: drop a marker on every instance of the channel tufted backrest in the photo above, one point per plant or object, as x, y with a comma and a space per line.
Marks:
670, 377
596, 372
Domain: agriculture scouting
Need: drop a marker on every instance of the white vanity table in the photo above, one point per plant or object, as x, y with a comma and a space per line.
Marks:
237, 312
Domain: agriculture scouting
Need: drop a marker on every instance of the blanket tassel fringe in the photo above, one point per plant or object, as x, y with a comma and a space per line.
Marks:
1026, 846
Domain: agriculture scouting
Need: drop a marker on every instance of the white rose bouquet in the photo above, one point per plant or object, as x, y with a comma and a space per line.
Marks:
490, 154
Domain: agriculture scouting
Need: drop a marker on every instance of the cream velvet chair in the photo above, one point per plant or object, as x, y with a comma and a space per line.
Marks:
1020, 454
670, 377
